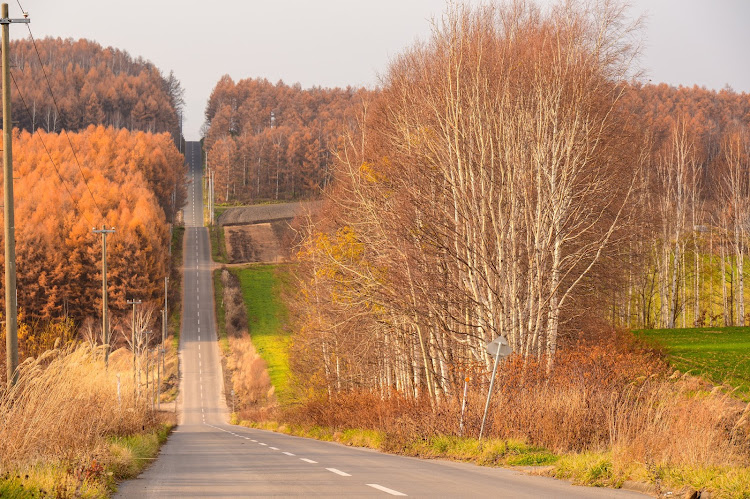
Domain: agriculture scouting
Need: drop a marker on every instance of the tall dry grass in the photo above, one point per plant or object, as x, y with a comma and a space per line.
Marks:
250, 378
64, 405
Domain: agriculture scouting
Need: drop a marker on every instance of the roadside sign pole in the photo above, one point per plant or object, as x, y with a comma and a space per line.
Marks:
489, 395
498, 347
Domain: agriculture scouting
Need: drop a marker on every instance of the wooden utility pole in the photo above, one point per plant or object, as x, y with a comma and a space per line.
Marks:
105, 324
165, 315
135, 347
11, 307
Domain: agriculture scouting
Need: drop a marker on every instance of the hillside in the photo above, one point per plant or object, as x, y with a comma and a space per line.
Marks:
92, 85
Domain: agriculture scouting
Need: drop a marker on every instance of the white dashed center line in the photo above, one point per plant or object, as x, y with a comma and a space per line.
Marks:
385, 489
338, 472
308, 460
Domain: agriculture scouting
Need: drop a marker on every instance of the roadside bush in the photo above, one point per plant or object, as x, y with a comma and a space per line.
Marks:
605, 394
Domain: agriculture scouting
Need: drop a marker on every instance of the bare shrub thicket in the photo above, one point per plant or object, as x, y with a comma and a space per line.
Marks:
64, 404
604, 395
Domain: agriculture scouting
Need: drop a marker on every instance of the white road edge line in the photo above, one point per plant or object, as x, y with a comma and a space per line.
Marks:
338, 472
385, 489
308, 460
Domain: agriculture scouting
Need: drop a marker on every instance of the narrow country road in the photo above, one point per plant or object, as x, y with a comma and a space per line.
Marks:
206, 457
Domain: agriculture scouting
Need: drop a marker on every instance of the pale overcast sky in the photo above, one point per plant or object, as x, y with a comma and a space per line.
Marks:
349, 42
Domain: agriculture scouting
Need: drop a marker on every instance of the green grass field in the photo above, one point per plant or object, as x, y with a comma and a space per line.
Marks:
267, 316
218, 247
721, 355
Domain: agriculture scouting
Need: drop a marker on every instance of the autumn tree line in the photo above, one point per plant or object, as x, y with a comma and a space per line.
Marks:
512, 178
92, 85
135, 179
269, 141
100, 148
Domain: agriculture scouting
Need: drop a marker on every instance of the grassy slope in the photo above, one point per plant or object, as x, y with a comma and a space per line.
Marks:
266, 317
719, 354
218, 246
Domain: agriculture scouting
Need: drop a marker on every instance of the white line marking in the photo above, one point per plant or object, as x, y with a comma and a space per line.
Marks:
253, 440
288, 453
261, 443
385, 489
308, 460
274, 448
338, 472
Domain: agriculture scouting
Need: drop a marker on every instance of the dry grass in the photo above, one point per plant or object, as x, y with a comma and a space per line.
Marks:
250, 379
64, 406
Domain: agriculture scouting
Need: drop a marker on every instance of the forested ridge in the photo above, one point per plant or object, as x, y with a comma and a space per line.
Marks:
92, 85
269, 141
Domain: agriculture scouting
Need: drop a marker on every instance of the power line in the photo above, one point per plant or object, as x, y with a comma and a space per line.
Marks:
57, 108
54, 165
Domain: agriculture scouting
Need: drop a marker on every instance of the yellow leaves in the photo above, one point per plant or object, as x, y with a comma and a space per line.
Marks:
370, 174
37, 339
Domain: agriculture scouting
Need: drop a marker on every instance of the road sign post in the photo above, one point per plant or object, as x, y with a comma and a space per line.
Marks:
498, 348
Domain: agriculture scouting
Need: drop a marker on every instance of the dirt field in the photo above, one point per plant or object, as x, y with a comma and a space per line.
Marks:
261, 213
262, 242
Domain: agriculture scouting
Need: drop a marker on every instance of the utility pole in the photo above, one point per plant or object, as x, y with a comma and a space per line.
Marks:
211, 180
135, 347
165, 316
105, 323
11, 307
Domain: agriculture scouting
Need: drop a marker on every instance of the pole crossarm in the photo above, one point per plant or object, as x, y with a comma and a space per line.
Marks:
5, 20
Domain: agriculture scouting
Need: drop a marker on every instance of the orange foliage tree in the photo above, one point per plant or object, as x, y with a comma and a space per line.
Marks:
134, 179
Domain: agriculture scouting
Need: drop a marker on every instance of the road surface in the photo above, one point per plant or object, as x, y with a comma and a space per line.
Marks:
206, 457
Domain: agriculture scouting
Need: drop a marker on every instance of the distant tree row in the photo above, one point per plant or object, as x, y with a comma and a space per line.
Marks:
267, 141
137, 181
686, 262
93, 85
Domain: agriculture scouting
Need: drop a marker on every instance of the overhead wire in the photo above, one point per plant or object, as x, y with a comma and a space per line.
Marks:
54, 165
57, 108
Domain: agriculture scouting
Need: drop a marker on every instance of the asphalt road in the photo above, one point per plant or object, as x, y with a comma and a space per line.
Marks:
206, 457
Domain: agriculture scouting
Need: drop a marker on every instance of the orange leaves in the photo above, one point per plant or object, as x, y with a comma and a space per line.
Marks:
132, 177
93, 86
